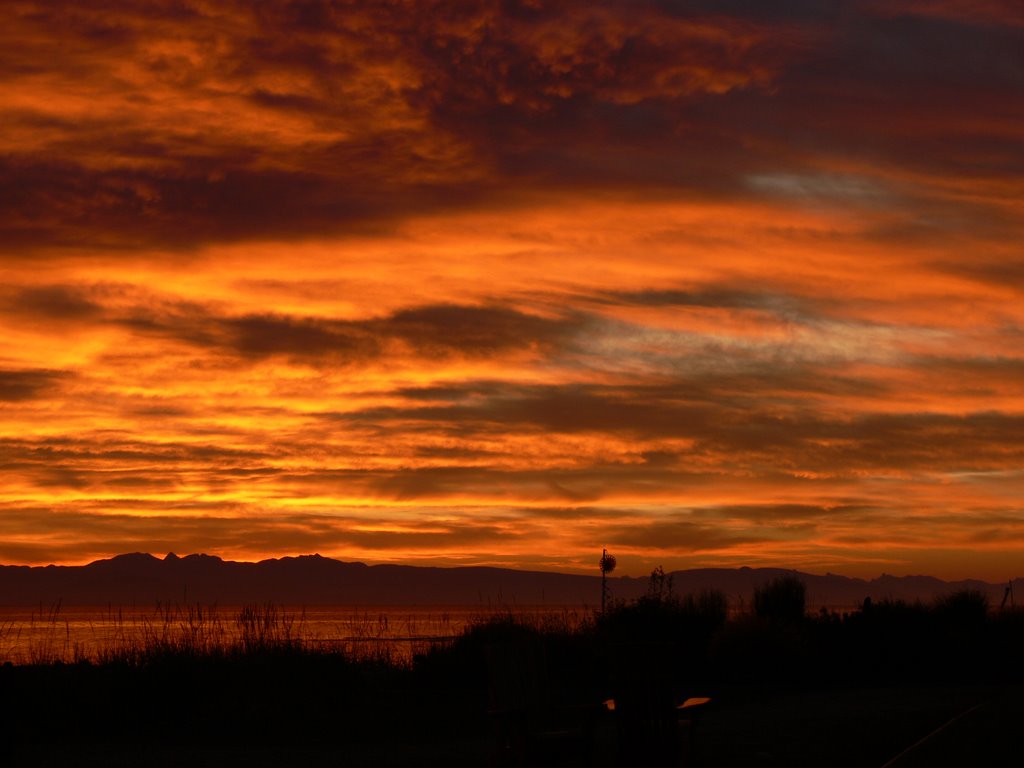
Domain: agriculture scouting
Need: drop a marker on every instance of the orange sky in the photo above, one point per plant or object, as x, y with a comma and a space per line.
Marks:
704, 283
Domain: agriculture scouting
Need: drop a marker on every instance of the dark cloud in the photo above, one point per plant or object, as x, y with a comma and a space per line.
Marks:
590, 483
58, 450
413, 108
21, 385
53, 302
475, 330
257, 336
980, 377
679, 536
448, 536
679, 409
725, 427
1007, 273
434, 330
951, 95
428, 331
781, 10
557, 409
64, 205
59, 477
783, 513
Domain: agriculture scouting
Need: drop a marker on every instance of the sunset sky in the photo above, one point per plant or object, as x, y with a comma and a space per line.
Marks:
723, 283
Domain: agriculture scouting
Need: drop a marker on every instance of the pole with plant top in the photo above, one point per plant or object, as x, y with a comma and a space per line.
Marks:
607, 565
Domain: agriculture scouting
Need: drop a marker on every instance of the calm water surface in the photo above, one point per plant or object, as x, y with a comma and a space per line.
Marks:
46, 634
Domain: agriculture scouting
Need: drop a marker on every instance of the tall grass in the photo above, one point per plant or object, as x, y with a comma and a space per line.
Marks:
174, 632
51, 635
51, 638
171, 631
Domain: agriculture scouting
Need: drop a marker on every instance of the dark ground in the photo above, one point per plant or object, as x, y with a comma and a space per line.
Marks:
893, 685
959, 726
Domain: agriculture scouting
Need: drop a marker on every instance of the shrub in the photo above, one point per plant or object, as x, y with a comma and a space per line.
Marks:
967, 607
782, 599
663, 616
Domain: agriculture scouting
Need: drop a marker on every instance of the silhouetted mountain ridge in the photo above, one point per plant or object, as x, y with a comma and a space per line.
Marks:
141, 579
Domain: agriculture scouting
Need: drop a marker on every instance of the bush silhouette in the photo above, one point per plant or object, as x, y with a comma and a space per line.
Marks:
967, 607
782, 599
663, 616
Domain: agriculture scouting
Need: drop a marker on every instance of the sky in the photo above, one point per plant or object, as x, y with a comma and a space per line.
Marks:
705, 283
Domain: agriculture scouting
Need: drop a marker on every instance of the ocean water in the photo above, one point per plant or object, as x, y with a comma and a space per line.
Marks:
46, 634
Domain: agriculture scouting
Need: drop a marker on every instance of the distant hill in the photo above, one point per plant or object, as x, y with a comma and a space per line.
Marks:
832, 590
142, 580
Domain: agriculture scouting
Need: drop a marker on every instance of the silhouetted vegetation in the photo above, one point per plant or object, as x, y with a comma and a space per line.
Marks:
193, 672
782, 599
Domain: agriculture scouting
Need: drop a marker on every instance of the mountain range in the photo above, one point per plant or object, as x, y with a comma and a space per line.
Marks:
143, 580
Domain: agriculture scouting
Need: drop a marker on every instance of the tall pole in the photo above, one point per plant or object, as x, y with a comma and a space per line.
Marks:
604, 579
607, 565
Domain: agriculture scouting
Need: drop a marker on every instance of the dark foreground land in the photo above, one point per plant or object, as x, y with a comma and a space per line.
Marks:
893, 684
864, 727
